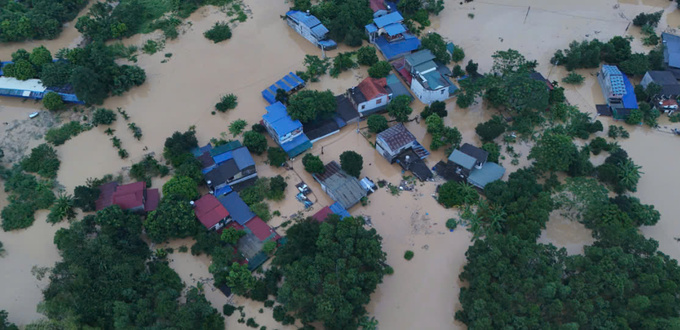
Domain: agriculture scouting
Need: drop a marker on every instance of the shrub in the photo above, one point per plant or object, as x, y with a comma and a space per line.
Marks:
491, 129
279, 313
269, 303
62, 208
367, 56
219, 32
352, 163
259, 128
227, 102
261, 210
228, 309
42, 160
458, 54
269, 247
313, 164
237, 126
253, 194
573, 78
471, 67
255, 142
457, 71
181, 186
57, 136
103, 116
598, 144
437, 107
52, 101
276, 156
455, 194
408, 255
380, 69
85, 197
451, 223
389, 270
377, 123
494, 151
277, 188
251, 323
148, 168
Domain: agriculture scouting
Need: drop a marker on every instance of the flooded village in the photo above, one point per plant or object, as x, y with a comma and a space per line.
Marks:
265, 54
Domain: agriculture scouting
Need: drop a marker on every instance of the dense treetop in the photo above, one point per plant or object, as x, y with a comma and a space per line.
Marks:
36, 19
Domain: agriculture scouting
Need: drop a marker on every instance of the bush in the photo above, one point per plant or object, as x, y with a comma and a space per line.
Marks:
52, 101
42, 160
182, 187
451, 223
261, 210
253, 194
277, 188
491, 129
458, 54
237, 126
62, 208
251, 323
380, 69
367, 56
228, 309
219, 32
352, 163
255, 142
457, 71
313, 164
635, 117
437, 107
148, 168
259, 128
227, 102
85, 197
57, 136
269, 247
598, 144
377, 123
471, 67
494, 151
455, 194
276, 156
279, 313
342, 62
26, 195
408, 255
269, 303
573, 78
389, 270
103, 116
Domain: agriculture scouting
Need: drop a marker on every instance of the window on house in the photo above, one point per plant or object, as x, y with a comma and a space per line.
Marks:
442, 91
378, 101
363, 106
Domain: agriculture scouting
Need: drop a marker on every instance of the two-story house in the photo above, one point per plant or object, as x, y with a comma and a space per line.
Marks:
285, 131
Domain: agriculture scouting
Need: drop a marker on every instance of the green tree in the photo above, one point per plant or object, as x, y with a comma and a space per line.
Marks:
227, 102
313, 164
182, 187
309, 105
178, 147
342, 62
174, 218
437, 107
85, 197
219, 32
269, 247
103, 116
471, 67
456, 194
458, 54
494, 151
53, 102
277, 188
4, 323
21, 69
352, 163
399, 108
380, 69
240, 280
377, 123
88, 85
491, 129
276, 156
231, 235
635, 117
629, 175
42, 160
553, 152
62, 208
637, 64
255, 142
436, 44
56, 74
573, 78
237, 126
367, 56
40, 56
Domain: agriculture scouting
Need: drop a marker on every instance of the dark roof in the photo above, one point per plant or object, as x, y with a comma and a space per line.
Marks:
416, 165
105, 195
222, 173
356, 95
320, 128
478, 153
447, 171
209, 211
206, 160
396, 136
538, 76
345, 109
237, 208
345, 188
153, 197
665, 79
130, 195
243, 158
603, 110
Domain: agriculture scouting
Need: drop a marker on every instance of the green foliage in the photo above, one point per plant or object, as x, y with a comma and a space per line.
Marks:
380, 69
36, 20
269, 247
237, 126
56, 74
399, 108
255, 142
43, 160
276, 156
182, 187
408, 255
553, 152
490, 130
178, 147
651, 19
62, 208
148, 168
471, 68
254, 194
442, 135
451, 223
458, 54
85, 197
239, 279
228, 309
367, 56
437, 107
103, 116
219, 32
57, 136
174, 218
615, 132
377, 123
26, 195
227, 102
313, 280
4, 323
309, 105
436, 44
316, 68
453, 193
573, 78
313, 164
231, 235
262, 211
342, 62
345, 19
494, 151
352, 163
53, 102
598, 144
21, 69
635, 117
277, 188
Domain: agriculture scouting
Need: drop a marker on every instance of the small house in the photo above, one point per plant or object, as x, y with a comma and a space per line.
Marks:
309, 27
134, 197
340, 186
370, 96
469, 164
425, 76
229, 167
286, 132
211, 213
378, 7
398, 145
670, 88
617, 90
391, 36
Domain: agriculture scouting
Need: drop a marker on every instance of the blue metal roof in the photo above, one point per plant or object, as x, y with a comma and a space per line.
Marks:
388, 19
371, 28
238, 210
243, 158
303, 18
319, 31
197, 152
629, 99
395, 29
328, 43
287, 83
221, 158
297, 146
339, 210
671, 50
277, 117
208, 169
268, 96
393, 50
223, 191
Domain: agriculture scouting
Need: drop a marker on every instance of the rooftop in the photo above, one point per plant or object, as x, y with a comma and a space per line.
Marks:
615, 79
338, 209
222, 173
309, 20
345, 188
462, 159
261, 229
322, 214
297, 146
277, 117
209, 211
395, 49
671, 52
388, 19
236, 207
395, 29
130, 195
488, 173
396, 136
478, 153
229, 146
243, 158
372, 88
32, 85
345, 110
377, 5
420, 57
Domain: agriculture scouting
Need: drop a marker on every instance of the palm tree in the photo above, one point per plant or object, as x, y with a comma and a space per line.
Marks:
496, 218
62, 208
469, 193
629, 174
474, 220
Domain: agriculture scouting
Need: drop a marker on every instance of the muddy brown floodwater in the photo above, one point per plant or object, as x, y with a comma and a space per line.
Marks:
423, 292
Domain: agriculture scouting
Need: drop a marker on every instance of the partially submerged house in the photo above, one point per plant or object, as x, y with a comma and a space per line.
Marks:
32, 88
671, 53
134, 197
286, 132
340, 186
211, 213
670, 88
398, 145
469, 164
617, 90
427, 78
373, 95
391, 36
290, 83
226, 167
309, 27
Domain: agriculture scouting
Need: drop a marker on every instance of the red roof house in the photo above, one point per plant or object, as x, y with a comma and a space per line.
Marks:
133, 196
261, 229
210, 212
377, 5
369, 96
322, 214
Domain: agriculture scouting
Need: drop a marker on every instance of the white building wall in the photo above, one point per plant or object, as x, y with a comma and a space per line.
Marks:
372, 104
427, 96
303, 30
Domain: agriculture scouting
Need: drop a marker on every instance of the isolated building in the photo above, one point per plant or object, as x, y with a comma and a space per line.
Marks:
133, 197
469, 164
340, 186
309, 27
617, 90
426, 77
391, 36
285, 131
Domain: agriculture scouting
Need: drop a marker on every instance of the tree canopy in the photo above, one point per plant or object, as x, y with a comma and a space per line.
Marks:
399, 108
313, 164
309, 105
37, 19
174, 218
436, 44
352, 163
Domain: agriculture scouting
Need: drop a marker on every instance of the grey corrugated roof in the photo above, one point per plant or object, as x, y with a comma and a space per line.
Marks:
396, 136
663, 77
420, 57
346, 189
462, 159
671, 50
488, 173
243, 158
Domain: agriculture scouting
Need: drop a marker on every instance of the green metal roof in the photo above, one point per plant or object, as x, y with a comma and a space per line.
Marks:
420, 57
462, 159
488, 173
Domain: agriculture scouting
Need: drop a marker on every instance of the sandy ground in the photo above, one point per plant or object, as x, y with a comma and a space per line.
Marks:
182, 92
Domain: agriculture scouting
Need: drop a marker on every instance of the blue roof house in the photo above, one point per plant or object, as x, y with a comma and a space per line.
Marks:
617, 90
31, 88
391, 36
238, 209
309, 27
285, 131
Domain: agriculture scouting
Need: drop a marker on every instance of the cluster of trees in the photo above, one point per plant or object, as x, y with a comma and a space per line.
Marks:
4, 323
313, 164
255, 142
59, 135
270, 188
454, 193
37, 19
399, 108
616, 51
141, 290
491, 129
43, 160
436, 44
177, 151
310, 105
148, 168
26, 194
345, 19
27, 65
437, 107
442, 135
377, 123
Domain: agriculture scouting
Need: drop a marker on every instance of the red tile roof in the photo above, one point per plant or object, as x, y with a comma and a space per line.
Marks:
209, 211
373, 88
153, 197
377, 5
130, 195
322, 214
260, 228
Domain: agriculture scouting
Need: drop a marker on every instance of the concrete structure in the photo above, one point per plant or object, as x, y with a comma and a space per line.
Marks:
340, 186
395, 140
391, 36
370, 96
310, 28
670, 88
425, 77
617, 90
285, 131
133, 197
